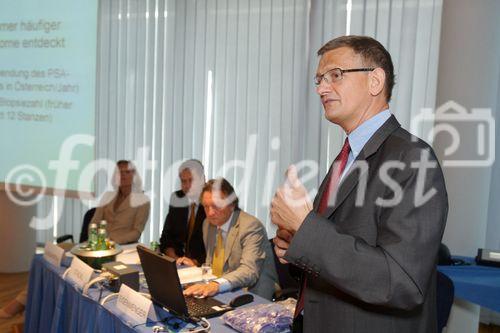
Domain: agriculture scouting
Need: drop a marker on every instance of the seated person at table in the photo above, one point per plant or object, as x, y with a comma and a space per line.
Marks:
125, 210
182, 233
236, 243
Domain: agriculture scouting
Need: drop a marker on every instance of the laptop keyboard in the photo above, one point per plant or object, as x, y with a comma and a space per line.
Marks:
201, 307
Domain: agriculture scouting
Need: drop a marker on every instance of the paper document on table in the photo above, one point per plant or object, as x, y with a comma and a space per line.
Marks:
192, 275
129, 255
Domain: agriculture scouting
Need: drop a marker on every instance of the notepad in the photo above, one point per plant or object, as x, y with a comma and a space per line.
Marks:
192, 275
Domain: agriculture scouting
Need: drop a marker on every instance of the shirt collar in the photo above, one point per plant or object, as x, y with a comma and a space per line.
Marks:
227, 224
191, 201
360, 136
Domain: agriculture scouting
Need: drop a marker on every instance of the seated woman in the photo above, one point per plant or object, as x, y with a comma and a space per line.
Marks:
126, 210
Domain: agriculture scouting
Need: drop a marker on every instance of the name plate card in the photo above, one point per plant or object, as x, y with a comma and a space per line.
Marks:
133, 304
53, 254
80, 272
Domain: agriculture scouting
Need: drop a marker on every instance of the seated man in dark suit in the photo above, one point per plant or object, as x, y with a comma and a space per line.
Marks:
182, 233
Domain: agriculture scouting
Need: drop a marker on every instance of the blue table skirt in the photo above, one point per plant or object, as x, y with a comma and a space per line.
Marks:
56, 305
476, 284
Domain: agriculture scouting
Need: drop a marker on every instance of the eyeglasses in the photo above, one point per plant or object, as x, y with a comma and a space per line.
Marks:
336, 74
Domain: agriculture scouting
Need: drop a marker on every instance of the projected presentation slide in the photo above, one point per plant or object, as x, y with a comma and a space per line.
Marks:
47, 91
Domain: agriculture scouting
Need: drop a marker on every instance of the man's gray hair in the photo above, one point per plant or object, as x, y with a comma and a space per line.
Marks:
194, 166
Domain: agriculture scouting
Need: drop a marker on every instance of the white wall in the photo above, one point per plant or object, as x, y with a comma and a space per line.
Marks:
18, 238
493, 228
468, 74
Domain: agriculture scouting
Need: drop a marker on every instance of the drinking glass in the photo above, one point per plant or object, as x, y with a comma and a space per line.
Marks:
206, 271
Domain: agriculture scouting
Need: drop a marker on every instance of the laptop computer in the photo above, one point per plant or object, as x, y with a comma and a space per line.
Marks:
165, 288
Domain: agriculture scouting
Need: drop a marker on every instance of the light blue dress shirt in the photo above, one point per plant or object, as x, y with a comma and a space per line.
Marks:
360, 136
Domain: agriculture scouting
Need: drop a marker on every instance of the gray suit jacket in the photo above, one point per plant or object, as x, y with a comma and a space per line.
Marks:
248, 257
372, 268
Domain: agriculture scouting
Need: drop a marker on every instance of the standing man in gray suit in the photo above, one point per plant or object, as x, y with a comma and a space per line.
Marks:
237, 245
368, 245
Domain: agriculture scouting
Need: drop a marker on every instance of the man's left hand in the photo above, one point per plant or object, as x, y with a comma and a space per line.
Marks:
281, 244
202, 289
291, 203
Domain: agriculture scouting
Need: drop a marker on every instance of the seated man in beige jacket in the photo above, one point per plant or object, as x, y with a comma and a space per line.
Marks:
125, 210
237, 245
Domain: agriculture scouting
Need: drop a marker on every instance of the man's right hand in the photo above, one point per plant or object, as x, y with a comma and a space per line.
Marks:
185, 261
169, 251
281, 244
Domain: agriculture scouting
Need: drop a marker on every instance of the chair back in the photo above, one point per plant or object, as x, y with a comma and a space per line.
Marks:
445, 292
84, 234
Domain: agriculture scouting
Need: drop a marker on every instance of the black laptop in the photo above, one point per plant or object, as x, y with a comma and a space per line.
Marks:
166, 290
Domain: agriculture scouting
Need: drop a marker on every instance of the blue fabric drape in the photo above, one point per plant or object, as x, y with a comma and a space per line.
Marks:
476, 284
56, 305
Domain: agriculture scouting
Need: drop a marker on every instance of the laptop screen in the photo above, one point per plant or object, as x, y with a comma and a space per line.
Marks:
163, 280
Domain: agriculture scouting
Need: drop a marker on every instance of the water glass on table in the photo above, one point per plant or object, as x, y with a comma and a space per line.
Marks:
206, 272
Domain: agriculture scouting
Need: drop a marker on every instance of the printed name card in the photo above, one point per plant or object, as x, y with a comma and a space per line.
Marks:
53, 254
80, 272
133, 304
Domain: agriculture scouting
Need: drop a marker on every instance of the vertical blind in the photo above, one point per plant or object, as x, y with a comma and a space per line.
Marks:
229, 82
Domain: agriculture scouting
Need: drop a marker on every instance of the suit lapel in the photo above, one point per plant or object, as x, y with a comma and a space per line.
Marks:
210, 240
124, 204
183, 202
200, 215
322, 189
185, 207
346, 186
231, 235
354, 174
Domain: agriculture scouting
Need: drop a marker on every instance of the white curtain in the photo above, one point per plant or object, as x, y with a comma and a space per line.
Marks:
230, 83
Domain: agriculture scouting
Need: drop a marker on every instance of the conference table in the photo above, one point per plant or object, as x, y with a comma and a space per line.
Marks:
474, 283
56, 305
